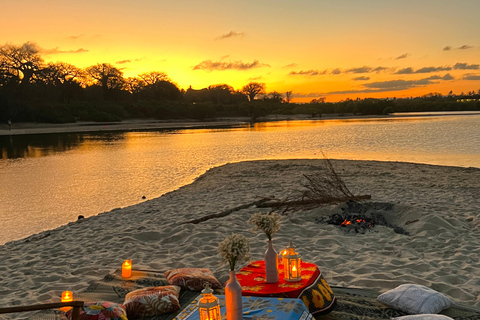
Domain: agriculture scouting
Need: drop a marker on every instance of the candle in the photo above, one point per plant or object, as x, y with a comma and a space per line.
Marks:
127, 268
67, 296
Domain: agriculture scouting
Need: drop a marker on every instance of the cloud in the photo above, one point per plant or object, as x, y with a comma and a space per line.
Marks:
363, 69
475, 77
465, 66
307, 95
392, 85
410, 70
75, 37
123, 61
291, 65
210, 65
403, 56
464, 47
361, 78
336, 71
307, 73
58, 51
445, 77
231, 34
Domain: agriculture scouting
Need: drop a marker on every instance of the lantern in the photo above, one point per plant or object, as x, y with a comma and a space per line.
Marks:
291, 265
281, 255
127, 268
208, 306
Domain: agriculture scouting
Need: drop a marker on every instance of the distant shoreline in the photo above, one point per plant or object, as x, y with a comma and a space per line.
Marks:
25, 128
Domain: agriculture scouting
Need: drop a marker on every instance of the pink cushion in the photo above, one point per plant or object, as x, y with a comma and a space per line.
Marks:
193, 279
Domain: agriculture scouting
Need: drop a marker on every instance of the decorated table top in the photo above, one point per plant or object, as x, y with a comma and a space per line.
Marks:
312, 288
256, 308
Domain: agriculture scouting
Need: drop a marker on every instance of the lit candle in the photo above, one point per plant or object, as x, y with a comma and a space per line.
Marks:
294, 270
67, 296
127, 268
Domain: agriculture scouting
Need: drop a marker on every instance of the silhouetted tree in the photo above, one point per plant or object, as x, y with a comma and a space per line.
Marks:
154, 77
252, 89
288, 96
107, 76
22, 63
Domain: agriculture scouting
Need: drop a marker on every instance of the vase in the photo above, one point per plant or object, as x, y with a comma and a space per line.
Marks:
233, 298
271, 264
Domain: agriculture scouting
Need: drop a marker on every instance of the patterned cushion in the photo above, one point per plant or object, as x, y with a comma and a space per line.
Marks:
103, 310
424, 317
414, 299
193, 279
152, 301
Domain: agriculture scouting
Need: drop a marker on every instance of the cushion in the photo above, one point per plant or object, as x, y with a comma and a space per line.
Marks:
423, 317
414, 299
152, 301
102, 310
193, 279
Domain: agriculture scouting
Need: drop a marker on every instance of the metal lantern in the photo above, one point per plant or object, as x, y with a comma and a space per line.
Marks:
291, 265
208, 306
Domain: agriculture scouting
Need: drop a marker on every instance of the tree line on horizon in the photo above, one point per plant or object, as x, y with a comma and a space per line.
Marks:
32, 90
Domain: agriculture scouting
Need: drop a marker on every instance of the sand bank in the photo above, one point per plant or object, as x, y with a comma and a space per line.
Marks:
438, 206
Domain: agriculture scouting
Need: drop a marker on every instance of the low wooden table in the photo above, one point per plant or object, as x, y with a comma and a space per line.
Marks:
312, 289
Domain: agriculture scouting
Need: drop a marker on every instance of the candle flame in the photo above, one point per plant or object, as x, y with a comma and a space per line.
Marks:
294, 268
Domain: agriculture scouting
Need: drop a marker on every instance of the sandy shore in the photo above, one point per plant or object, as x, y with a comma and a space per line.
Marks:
438, 206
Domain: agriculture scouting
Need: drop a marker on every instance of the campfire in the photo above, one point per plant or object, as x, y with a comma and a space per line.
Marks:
361, 217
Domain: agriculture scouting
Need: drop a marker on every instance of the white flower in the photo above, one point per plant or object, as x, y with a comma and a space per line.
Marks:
268, 223
233, 249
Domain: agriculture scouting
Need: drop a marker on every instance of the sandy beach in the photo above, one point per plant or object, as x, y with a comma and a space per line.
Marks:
438, 206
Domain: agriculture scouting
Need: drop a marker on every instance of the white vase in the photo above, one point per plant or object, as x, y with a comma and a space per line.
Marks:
271, 264
233, 298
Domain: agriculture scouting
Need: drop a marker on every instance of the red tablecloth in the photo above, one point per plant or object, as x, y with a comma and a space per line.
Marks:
312, 289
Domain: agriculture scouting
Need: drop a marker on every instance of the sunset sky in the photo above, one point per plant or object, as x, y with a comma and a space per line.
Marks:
336, 49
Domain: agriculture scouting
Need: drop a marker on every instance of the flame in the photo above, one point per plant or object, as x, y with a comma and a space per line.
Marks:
294, 268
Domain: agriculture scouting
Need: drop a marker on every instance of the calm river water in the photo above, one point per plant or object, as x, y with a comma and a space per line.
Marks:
48, 180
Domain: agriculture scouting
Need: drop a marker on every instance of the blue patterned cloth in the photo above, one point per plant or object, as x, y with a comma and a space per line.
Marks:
256, 308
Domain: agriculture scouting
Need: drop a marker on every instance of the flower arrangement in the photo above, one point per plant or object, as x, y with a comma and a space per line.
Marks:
268, 223
234, 248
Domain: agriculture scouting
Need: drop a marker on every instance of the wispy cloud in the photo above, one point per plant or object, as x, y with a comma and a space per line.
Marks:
403, 56
123, 61
210, 65
466, 66
471, 76
75, 37
359, 70
336, 71
58, 51
363, 69
291, 65
393, 85
307, 73
361, 78
231, 34
464, 47
410, 70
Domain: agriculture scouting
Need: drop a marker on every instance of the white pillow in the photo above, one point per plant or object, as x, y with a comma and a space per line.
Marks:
423, 317
414, 299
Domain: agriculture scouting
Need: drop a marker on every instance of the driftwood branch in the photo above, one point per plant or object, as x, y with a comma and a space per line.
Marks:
226, 212
279, 203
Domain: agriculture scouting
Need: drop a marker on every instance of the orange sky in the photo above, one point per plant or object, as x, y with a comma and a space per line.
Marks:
336, 49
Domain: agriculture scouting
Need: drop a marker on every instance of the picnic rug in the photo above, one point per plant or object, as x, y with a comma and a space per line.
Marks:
351, 303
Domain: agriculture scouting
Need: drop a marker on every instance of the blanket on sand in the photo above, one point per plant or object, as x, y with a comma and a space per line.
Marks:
352, 303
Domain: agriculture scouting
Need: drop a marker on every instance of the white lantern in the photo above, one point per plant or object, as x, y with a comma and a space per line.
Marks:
208, 306
291, 265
